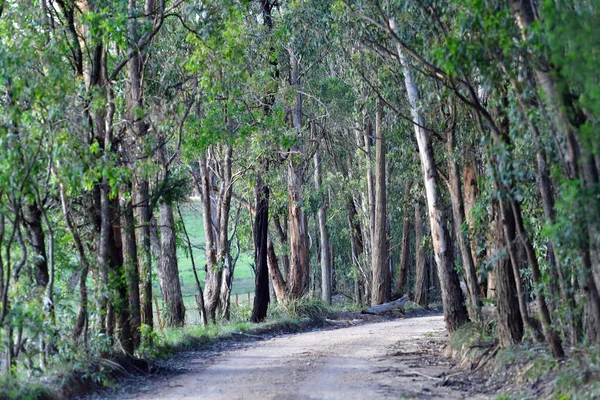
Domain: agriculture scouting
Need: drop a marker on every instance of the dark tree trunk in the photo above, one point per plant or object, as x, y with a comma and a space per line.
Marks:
510, 239
143, 220
174, 310
82, 313
458, 213
137, 130
356, 244
549, 333
558, 283
510, 322
567, 119
261, 227
422, 266
32, 218
111, 248
130, 261
406, 228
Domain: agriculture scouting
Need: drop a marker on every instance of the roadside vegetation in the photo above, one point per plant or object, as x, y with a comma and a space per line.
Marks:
84, 372
178, 169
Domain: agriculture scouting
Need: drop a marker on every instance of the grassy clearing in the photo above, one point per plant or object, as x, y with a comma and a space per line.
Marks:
243, 276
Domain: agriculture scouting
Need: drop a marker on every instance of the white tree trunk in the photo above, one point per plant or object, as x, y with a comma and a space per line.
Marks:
455, 313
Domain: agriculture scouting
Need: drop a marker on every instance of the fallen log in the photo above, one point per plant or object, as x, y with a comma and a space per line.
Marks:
385, 307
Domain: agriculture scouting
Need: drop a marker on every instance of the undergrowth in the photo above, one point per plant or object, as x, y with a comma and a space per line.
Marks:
528, 369
81, 371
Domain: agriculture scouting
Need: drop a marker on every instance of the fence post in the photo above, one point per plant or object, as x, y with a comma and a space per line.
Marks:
248, 297
236, 300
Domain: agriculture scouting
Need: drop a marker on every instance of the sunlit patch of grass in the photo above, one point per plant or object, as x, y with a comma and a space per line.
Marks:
304, 307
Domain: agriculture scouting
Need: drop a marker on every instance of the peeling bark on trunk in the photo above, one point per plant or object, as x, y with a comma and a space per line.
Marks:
214, 271
275, 272
223, 250
297, 280
458, 213
381, 273
455, 313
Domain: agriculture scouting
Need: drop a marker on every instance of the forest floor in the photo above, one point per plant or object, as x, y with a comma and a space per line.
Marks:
364, 358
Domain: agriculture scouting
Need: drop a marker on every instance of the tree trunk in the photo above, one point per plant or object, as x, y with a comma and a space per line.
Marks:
130, 261
261, 227
275, 272
137, 129
422, 267
549, 332
406, 227
544, 181
323, 235
143, 220
381, 273
284, 259
32, 218
214, 271
455, 313
356, 244
368, 137
510, 321
174, 310
458, 213
508, 223
297, 280
566, 121
223, 248
82, 313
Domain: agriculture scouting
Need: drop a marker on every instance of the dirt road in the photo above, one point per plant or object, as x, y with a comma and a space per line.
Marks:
385, 360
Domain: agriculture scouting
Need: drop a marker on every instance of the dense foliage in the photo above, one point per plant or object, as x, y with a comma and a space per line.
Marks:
360, 148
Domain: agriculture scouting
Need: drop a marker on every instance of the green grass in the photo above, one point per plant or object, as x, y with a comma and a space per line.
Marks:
243, 276
290, 317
